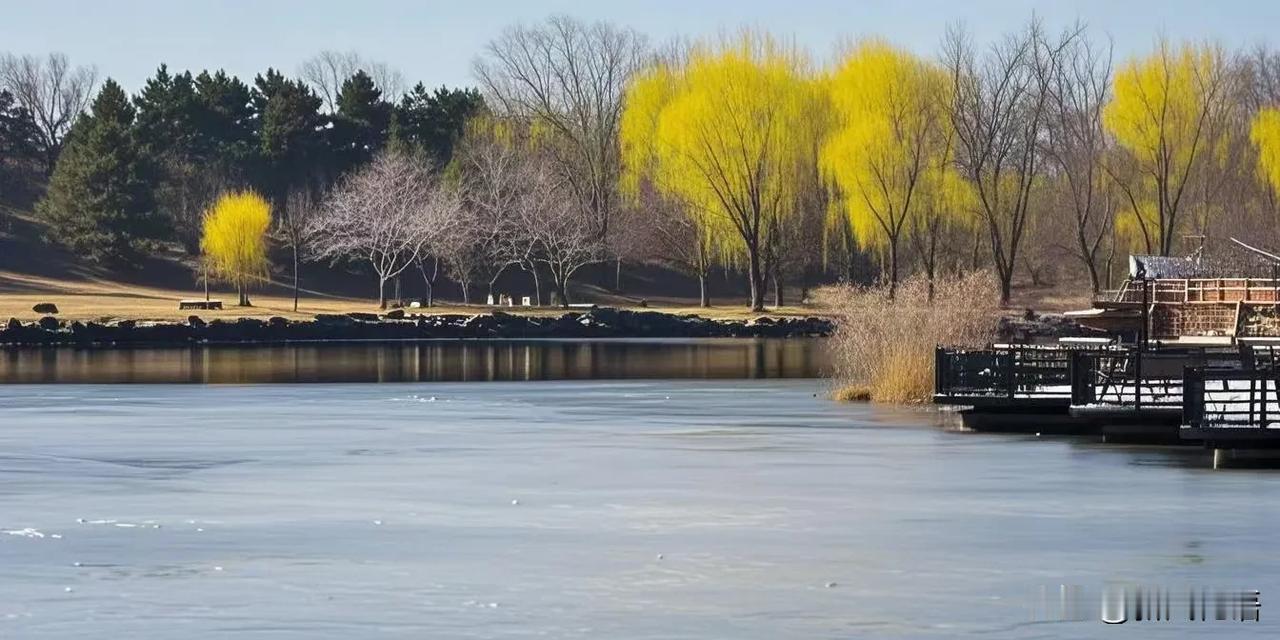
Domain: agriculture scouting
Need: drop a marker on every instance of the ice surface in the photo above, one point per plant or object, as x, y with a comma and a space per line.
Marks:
724, 511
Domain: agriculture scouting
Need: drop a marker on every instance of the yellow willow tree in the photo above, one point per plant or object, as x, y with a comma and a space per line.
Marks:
945, 202
234, 241
725, 128
889, 133
1265, 134
1164, 112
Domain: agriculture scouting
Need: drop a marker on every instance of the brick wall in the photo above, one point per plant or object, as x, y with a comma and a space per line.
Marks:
1173, 320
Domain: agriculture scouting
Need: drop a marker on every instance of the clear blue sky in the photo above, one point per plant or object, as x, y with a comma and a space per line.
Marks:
434, 41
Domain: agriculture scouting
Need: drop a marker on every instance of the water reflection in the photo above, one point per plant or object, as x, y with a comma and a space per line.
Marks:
453, 360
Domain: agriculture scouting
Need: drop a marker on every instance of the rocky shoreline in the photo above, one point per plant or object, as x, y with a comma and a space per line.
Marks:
396, 325
1043, 327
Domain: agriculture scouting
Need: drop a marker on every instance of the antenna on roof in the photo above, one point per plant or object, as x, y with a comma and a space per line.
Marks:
1270, 256
1198, 239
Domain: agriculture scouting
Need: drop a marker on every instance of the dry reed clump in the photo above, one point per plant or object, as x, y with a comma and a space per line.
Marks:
884, 346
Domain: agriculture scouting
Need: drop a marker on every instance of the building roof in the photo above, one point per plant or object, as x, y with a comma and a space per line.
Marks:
1236, 263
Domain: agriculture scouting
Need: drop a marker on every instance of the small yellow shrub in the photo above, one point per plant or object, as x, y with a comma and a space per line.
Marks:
853, 393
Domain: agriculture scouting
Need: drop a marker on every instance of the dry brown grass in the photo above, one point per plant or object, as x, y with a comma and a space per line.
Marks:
884, 346
97, 299
852, 393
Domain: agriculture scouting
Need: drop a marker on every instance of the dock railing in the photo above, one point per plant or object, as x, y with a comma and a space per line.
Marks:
1008, 372
1129, 380
1224, 398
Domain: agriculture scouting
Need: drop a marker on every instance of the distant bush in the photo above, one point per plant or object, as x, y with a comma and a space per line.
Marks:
884, 346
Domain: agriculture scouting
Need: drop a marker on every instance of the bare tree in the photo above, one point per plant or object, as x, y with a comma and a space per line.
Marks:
569, 78
293, 226
494, 178
466, 259
53, 91
559, 229
1077, 145
999, 106
387, 214
669, 234
326, 71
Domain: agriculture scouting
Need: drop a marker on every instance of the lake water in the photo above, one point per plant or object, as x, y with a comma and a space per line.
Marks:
656, 509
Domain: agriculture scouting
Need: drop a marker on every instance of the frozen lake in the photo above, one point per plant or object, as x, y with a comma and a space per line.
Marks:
576, 509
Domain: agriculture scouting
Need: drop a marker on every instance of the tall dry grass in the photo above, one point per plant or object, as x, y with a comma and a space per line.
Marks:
884, 346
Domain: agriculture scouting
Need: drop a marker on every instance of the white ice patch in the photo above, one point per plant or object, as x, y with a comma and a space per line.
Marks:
147, 524
27, 532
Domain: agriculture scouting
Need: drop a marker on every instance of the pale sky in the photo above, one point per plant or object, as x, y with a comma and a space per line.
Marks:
435, 41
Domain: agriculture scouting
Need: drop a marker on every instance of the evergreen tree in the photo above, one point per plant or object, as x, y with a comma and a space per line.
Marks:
167, 114
17, 130
19, 153
99, 201
434, 121
290, 134
225, 124
168, 136
360, 128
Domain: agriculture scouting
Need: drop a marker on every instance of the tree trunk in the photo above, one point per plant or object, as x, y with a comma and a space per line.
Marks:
295, 279
756, 278
1093, 277
617, 276
382, 292
562, 289
893, 267
537, 286
1006, 287
703, 299
429, 281
778, 299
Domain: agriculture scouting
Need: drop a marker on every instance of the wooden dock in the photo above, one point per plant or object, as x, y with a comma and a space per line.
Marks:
1225, 399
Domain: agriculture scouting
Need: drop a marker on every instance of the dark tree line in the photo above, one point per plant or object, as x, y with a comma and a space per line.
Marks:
135, 170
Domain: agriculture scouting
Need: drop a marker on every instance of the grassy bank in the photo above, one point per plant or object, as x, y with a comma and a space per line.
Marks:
99, 299
884, 346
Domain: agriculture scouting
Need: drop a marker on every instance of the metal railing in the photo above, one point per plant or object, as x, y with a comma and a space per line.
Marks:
1223, 398
1116, 378
1133, 380
1012, 371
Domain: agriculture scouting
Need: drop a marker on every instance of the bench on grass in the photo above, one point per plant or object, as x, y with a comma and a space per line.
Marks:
199, 304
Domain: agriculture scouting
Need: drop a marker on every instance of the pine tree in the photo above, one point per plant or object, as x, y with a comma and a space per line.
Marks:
290, 134
166, 130
435, 120
17, 130
167, 112
99, 201
361, 126
225, 123
19, 154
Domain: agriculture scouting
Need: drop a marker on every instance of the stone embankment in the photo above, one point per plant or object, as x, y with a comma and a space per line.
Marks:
396, 325
1035, 327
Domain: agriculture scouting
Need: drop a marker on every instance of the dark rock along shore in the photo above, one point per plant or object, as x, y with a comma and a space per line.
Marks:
595, 323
